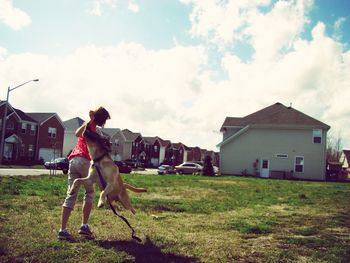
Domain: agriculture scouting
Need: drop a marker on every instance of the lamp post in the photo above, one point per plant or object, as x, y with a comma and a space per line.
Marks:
3, 130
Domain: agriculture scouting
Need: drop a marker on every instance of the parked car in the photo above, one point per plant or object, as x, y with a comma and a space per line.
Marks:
188, 168
123, 167
134, 164
201, 163
166, 169
58, 164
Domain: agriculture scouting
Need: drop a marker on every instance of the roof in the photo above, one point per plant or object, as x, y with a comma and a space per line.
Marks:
129, 135
276, 114
150, 140
41, 117
179, 145
24, 116
110, 131
73, 124
164, 143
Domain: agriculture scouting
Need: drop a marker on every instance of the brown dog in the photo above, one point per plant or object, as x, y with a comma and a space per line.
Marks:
115, 189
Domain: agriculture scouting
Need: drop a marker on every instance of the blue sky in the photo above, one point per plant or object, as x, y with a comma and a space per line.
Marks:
161, 65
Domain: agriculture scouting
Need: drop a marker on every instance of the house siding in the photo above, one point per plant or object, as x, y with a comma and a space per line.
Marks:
257, 144
46, 142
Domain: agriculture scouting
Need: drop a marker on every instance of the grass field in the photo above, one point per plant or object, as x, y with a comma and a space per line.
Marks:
182, 219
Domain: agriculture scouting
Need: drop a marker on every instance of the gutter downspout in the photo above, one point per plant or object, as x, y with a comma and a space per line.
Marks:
324, 158
37, 144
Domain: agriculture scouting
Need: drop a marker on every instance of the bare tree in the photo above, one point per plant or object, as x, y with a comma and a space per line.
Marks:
334, 147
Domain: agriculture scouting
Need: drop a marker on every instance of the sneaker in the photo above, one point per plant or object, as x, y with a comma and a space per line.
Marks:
85, 231
65, 235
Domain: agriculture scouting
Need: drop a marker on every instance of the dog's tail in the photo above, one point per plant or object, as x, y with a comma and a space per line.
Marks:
134, 189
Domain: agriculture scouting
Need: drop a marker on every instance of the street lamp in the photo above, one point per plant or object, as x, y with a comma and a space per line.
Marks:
2, 142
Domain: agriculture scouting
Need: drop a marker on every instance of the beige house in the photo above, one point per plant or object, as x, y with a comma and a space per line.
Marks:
345, 159
70, 139
277, 142
127, 145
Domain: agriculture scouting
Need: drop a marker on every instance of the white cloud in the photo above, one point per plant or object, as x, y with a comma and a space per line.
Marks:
133, 7
99, 4
12, 16
145, 91
312, 75
338, 28
3, 53
170, 92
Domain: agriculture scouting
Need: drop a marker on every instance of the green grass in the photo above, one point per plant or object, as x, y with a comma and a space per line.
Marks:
182, 219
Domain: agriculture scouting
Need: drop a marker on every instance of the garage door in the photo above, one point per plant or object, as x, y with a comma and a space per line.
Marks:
48, 154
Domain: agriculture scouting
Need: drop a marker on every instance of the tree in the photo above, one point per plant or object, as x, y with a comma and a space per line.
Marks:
208, 167
334, 146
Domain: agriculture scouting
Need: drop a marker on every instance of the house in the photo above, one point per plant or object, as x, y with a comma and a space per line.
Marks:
177, 153
152, 148
128, 145
277, 141
345, 159
112, 134
20, 135
194, 154
50, 135
164, 148
70, 139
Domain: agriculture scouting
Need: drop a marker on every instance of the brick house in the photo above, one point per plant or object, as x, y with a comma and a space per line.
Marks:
50, 135
20, 135
153, 146
177, 153
194, 154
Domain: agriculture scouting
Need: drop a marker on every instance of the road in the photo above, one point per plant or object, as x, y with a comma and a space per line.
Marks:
6, 172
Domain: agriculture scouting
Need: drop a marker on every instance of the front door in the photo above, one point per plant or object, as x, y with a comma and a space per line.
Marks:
265, 168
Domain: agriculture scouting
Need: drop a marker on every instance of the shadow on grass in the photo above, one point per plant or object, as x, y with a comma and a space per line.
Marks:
145, 252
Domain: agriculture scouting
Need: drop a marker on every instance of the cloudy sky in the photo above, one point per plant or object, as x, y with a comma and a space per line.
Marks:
177, 68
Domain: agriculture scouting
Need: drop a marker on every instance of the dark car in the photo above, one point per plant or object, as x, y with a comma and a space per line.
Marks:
123, 167
166, 169
58, 164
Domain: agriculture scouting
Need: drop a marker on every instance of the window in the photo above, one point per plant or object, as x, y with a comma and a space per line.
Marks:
317, 136
265, 164
23, 128
155, 148
10, 125
299, 164
30, 150
32, 129
52, 132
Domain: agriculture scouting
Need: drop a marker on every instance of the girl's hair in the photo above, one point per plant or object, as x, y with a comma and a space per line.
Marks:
100, 116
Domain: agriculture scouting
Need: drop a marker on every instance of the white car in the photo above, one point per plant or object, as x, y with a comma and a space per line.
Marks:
188, 168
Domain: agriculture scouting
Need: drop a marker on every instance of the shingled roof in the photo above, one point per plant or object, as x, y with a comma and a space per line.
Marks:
73, 124
110, 131
276, 114
24, 116
129, 135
